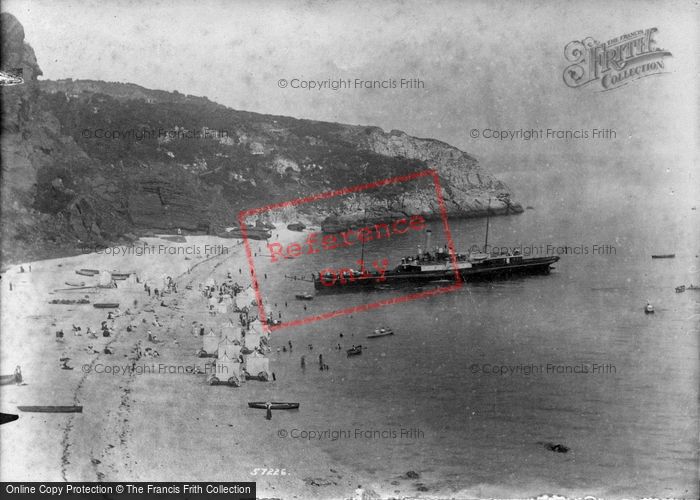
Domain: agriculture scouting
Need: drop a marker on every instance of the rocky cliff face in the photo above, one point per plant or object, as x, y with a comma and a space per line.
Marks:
91, 162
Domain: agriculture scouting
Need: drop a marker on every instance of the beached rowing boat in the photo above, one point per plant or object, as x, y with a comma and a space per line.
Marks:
86, 272
8, 379
106, 305
52, 409
261, 405
73, 283
304, 296
664, 256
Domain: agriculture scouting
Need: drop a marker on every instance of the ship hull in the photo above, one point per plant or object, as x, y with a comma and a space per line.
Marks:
533, 266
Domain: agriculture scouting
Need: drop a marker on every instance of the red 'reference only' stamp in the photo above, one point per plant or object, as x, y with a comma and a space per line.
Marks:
316, 243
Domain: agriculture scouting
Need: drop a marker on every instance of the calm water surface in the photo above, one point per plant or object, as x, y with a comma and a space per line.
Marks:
631, 426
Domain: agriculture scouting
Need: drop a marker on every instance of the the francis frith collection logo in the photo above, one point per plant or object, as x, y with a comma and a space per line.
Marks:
614, 63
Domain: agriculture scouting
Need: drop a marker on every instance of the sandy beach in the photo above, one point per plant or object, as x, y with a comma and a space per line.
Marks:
127, 419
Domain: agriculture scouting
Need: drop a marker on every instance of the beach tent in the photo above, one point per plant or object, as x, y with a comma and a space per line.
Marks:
130, 282
256, 327
247, 296
256, 363
210, 343
105, 278
241, 304
228, 349
231, 333
253, 340
228, 367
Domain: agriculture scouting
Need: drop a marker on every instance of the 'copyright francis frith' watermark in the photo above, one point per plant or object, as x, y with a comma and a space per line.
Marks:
528, 369
358, 434
616, 62
336, 84
158, 250
152, 369
159, 134
544, 134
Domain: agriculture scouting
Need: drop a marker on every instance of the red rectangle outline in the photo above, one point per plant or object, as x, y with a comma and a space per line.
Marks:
243, 214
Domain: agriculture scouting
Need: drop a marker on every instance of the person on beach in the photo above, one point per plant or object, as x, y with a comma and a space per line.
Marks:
320, 360
303, 362
18, 375
359, 493
268, 414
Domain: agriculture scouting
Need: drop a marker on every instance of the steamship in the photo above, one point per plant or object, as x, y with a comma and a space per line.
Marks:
426, 267
438, 266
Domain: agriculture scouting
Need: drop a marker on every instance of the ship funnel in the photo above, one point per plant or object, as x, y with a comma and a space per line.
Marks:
428, 238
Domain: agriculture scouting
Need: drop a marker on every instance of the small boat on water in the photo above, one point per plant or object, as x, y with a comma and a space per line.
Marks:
663, 256
354, 351
680, 289
261, 405
106, 305
52, 409
380, 332
304, 296
648, 309
75, 283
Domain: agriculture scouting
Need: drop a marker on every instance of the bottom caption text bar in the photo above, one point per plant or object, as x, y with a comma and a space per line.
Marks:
131, 490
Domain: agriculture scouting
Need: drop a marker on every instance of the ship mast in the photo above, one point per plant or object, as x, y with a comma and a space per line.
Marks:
488, 212
364, 222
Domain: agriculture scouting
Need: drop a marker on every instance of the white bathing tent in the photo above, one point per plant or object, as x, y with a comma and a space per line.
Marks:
229, 349
210, 343
231, 333
227, 367
105, 278
256, 363
252, 340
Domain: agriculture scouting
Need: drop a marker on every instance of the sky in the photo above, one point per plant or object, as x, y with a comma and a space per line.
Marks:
492, 64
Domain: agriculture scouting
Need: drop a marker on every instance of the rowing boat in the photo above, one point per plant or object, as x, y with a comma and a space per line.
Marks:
304, 296
262, 405
380, 332
106, 305
8, 379
664, 256
355, 351
85, 272
74, 284
52, 409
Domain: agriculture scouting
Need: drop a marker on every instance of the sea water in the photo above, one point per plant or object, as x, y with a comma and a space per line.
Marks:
476, 382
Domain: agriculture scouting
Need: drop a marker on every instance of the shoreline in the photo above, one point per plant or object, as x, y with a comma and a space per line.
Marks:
69, 251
